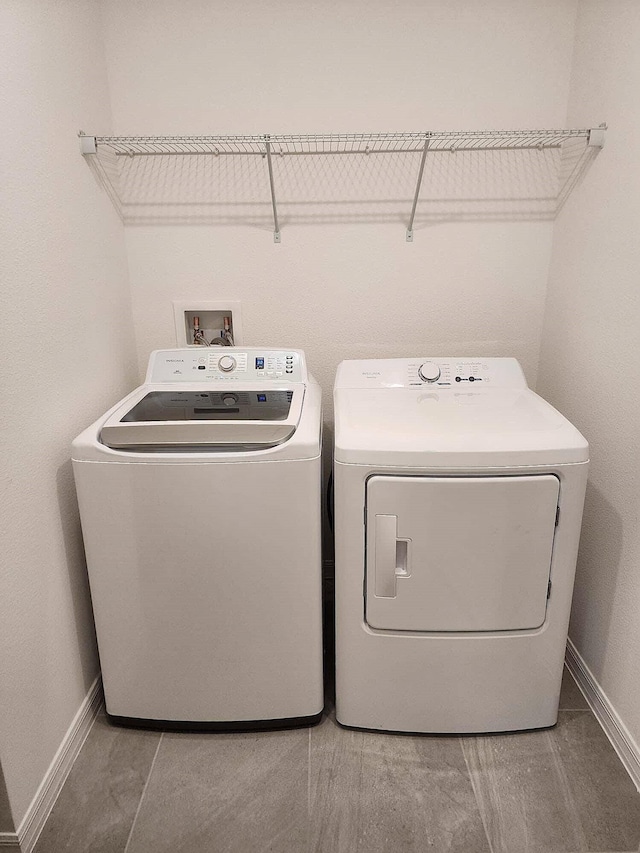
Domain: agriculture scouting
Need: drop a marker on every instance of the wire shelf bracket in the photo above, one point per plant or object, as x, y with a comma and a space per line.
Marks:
461, 175
423, 160
276, 227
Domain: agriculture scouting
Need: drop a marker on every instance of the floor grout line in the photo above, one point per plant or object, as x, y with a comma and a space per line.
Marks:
308, 845
144, 791
571, 806
309, 773
475, 795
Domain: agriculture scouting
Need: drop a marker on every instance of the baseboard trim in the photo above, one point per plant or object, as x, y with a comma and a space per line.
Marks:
55, 777
619, 735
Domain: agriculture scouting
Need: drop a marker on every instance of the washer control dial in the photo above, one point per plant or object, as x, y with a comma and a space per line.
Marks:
429, 372
226, 363
229, 399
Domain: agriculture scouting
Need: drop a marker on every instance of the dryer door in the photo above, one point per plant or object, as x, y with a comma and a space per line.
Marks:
459, 553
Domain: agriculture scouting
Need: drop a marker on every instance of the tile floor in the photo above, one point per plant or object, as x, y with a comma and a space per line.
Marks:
331, 790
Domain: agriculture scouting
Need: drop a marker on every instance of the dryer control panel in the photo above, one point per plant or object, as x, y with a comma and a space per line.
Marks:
219, 365
431, 371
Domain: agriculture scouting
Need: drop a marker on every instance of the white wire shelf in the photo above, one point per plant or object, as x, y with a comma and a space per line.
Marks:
419, 177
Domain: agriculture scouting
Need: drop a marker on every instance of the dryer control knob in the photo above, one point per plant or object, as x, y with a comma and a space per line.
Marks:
229, 399
226, 363
429, 372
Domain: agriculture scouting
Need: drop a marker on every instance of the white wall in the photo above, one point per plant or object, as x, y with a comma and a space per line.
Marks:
589, 359
366, 65
67, 353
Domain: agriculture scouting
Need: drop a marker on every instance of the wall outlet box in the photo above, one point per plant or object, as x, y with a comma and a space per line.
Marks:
211, 321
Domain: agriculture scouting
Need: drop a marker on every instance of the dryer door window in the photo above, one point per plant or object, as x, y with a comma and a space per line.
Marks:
459, 553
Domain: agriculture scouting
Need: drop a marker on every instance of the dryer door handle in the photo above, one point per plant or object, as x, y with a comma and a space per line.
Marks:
386, 530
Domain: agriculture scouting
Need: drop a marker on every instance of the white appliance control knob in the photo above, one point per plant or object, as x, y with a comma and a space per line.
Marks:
429, 372
229, 399
226, 363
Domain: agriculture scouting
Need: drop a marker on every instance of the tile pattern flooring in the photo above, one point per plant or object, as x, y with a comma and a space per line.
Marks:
332, 790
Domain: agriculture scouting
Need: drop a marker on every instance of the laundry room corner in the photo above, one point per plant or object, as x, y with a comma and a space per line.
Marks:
68, 347
588, 361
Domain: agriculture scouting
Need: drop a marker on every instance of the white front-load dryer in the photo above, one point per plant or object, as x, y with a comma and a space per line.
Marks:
199, 499
458, 505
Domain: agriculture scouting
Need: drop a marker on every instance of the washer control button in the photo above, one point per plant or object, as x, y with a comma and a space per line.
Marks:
229, 399
226, 363
429, 372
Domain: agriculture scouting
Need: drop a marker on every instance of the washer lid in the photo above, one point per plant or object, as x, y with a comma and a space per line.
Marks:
195, 416
450, 428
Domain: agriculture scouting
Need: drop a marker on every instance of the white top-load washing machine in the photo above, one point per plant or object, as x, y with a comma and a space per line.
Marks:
199, 498
458, 505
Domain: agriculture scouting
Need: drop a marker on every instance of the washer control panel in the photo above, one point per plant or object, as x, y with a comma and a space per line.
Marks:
226, 364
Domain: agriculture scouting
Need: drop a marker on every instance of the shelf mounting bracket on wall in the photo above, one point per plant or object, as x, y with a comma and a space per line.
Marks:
596, 136
87, 143
276, 227
423, 160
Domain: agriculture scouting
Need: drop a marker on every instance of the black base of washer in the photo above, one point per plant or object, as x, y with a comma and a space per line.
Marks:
213, 726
